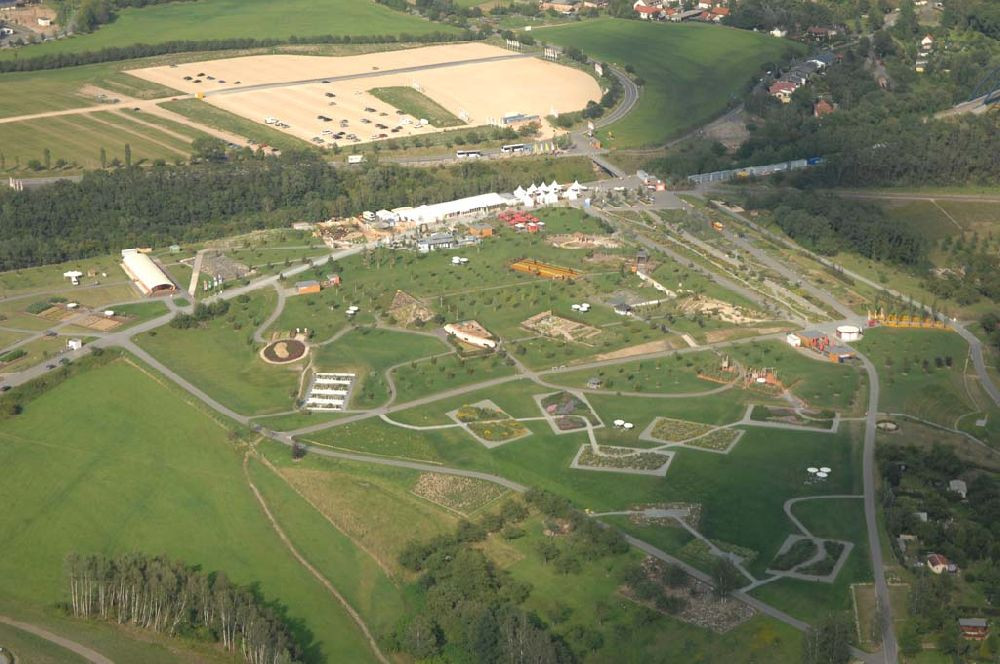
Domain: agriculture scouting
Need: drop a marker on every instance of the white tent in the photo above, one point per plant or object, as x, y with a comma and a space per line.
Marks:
554, 186
520, 192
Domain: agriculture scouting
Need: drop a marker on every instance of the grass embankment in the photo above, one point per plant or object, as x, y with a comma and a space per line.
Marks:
229, 19
691, 71
203, 112
111, 461
417, 104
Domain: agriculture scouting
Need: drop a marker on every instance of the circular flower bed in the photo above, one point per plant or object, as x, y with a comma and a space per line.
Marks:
284, 351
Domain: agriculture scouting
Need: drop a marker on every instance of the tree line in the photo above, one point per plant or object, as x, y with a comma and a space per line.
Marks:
118, 53
828, 224
163, 204
172, 598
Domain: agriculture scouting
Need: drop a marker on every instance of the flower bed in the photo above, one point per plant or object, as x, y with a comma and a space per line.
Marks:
564, 405
670, 430
621, 457
824, 566
719, 440
478, 414
498, 429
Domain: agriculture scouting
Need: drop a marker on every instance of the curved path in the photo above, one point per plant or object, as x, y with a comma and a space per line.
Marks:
258, 334
72, 646
798, 524
355, 616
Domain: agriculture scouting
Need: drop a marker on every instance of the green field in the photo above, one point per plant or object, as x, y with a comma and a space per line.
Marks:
112, 461
910, 378
691, 71
417, 104
220, 358
53, 90
418, 379
209, 20
370, 352
78, 139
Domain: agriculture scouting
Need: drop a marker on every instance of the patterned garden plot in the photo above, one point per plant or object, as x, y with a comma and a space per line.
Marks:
463, 495
629, 460
567, 412
707, 437
489, 424
810, 558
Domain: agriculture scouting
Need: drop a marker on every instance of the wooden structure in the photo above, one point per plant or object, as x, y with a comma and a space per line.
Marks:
879, 317
544, 270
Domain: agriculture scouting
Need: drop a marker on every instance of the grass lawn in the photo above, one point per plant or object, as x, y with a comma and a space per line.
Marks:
742, 492
78, 139
373, 505
591, 599
57, 89
35, 649
204, 113
355, 573
419, 379
51, 277
820, 383
910, 380
113, 461
417, 105
369, 352
220, 358
832, 519
226, 19
666, 375
691, 71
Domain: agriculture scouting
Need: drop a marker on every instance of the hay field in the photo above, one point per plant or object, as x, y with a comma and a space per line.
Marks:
456, 78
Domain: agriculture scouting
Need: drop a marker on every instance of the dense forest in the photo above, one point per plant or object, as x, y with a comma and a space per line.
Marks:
173, 598
164, 204
828, 224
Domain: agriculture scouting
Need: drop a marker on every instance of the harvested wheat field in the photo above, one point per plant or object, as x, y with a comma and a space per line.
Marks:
475, 82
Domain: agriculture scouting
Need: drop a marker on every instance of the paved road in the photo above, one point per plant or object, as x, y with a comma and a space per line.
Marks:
72, 646
975, 345
237, 89
917, 196
890, 650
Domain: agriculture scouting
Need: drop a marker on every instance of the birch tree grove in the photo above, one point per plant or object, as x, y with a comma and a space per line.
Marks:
173, 598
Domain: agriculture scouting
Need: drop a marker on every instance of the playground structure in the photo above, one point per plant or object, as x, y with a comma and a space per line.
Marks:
879, 317
544, 270
763, 377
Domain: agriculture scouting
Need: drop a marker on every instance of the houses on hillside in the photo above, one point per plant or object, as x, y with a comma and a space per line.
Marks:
712, 11
799, 74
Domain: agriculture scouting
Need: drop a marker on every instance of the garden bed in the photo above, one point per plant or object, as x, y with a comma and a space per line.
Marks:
622, 459
459, 494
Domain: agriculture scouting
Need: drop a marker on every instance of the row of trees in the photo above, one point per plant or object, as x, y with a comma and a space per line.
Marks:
118, 53
202, 313
164, 204
173, 598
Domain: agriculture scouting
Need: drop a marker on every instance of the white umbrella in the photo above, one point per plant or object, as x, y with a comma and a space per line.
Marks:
628, 425
822, 475
619, 423
812, 469
825, 469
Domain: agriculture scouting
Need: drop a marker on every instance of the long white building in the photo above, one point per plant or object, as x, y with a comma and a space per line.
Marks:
429, 214
147, 275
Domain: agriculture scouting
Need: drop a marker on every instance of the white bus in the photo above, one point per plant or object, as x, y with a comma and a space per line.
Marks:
468, 154
514, 148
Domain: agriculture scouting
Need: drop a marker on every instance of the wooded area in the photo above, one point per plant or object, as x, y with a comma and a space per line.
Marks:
175, 599
136, 207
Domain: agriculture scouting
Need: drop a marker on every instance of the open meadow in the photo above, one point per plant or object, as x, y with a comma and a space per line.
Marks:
691, 71
113, 460
228, 19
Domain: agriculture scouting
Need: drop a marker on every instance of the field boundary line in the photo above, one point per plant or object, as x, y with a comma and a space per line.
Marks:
267, 462
312, 570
